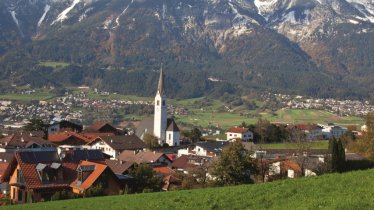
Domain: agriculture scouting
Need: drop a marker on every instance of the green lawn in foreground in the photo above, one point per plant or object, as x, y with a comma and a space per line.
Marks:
352, 190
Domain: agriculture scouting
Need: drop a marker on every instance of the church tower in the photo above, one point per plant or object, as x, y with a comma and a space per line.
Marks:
160, 116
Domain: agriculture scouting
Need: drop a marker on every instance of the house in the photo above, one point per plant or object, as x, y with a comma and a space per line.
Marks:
311, 131
103, 127
331, 130
121, 169
95, 175
68, 138
63, 125
35, 176
162, 127
114, 145
152, 158
284, 168
188, 163
239, 133
210, 148
25, 141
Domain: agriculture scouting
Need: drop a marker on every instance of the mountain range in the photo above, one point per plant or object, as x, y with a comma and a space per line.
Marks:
314, 47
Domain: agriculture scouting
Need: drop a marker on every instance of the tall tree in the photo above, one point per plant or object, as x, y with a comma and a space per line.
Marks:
234, 166
146, 178
34, 125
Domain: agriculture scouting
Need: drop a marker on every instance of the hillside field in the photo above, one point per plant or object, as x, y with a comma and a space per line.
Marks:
353, 190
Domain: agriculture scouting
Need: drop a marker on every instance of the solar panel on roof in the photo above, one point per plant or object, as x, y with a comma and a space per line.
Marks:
40, 166
87, 168
55, 165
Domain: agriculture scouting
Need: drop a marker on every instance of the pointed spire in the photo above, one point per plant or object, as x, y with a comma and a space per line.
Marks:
160, 87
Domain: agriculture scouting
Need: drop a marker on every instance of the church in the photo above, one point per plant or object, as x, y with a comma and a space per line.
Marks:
162, 127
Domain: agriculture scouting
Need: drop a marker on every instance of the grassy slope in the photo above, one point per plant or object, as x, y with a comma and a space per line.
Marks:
314, 145
352, 190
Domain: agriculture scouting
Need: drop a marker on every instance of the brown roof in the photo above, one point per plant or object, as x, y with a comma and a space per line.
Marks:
22, 140
95, 174
119, 167
181, 162
122, 142
141, 157
99, 126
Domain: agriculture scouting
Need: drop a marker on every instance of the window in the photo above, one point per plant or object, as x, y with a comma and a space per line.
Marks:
158, 102
163, 102
169, 136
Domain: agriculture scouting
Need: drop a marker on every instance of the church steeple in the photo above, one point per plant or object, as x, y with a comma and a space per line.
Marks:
160, 87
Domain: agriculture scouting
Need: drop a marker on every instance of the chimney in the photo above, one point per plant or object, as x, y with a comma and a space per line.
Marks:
111, 140
154, 152
121, 162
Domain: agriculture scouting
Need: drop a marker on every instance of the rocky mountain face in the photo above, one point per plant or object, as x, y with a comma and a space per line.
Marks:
311, 46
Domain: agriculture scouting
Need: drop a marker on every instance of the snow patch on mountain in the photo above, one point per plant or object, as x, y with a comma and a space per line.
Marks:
84, 15
13, 14
63, 15
265, 7
46, 9
122, 13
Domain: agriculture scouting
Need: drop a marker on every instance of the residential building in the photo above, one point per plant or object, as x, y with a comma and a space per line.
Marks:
63, 125
25, 141
311, 131
154, 159
92, 174
239, 133
114, 145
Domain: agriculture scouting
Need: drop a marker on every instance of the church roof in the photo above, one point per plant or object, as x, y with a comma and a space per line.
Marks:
160, 87
172, 126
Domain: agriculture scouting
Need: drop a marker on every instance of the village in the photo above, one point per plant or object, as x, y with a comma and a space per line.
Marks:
62, 159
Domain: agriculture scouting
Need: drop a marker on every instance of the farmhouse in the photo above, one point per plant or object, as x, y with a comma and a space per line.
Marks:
239, 133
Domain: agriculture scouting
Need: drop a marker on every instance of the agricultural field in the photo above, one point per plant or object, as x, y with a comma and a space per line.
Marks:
324, 144
42, 95
353, 190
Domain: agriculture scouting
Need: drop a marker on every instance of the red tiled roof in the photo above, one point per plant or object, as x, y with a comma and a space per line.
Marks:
31, 176
3, 167
307, 127
87, 183
93, 135
237, 130
61, 137
164, 170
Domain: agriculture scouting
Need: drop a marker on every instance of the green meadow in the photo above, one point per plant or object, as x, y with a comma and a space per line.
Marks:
353, 190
